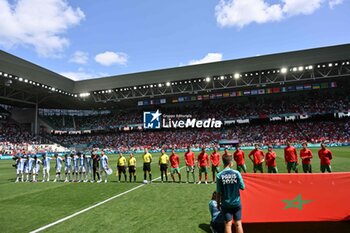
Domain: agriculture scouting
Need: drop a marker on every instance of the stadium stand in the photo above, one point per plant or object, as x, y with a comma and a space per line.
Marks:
312, 103
276, 133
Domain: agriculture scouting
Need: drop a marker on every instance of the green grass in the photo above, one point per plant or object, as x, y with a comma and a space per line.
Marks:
151, 208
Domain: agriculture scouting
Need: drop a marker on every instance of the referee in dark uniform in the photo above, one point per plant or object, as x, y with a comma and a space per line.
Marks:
95, 165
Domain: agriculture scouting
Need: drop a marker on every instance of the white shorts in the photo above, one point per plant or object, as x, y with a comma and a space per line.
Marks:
36, 170
82, 169
103, 169
28, 170
46, 169
67, 169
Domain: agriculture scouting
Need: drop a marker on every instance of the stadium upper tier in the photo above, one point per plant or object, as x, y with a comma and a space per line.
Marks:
309, 103
30, 84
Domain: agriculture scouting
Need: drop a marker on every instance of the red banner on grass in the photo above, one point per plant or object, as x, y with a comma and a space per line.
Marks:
296, 197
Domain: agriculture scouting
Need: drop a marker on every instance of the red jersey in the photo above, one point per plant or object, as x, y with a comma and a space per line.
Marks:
290, 154
258, 156
270, 158
174, 161
203, 159
306, 156
215, 159
325, 156
189, 158
239, 157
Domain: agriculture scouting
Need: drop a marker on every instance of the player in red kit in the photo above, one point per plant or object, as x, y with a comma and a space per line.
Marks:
238, 156
325, 156
215, 163
203, 164
226, 153
257, 157
291, 158
190, 161
306, 156
270, 158
174, 165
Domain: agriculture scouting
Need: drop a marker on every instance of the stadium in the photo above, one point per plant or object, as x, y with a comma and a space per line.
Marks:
175, 116
300, 96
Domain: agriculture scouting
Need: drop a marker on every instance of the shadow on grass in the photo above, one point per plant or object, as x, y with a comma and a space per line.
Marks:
205, 227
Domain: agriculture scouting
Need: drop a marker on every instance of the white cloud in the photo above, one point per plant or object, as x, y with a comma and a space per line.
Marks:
333, 3
39, 24
243, 12
239, 13
109, 58
82, 75
210, 57
298, 7
79, 57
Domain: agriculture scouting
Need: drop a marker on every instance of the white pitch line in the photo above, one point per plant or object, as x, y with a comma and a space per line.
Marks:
91, 207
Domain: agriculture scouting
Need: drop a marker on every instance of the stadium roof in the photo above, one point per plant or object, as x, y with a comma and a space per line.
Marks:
53, 85
296, 58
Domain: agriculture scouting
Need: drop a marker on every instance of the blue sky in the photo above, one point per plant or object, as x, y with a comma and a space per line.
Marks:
89, 38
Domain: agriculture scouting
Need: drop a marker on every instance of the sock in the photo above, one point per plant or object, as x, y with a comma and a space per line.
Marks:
144, 176
119, 176
130, 178
135, 178
188, 177
150, 177
125, 176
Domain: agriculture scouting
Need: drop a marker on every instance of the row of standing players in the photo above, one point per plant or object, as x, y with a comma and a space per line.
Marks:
82, 167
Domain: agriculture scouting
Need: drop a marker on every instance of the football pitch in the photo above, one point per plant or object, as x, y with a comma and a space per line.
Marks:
157, 207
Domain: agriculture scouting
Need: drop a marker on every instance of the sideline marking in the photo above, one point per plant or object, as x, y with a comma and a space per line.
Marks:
91, 207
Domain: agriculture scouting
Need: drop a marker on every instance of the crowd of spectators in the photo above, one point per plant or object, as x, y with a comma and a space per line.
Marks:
310, 103
13, 137
248, 134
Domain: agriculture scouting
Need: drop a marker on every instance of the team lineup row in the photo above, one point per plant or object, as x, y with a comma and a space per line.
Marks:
81, 167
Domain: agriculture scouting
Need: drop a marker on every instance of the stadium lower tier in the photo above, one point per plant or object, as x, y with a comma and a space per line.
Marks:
335, 131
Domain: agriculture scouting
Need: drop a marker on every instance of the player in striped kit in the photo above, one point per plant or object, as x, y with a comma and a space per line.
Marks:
58, 168
29, 167
20, 167
36, 167
67, 167
46, 168
82, 167
75, 167
103, 167
88, 167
